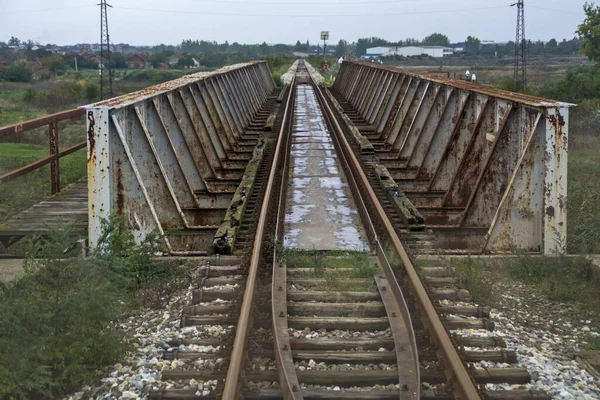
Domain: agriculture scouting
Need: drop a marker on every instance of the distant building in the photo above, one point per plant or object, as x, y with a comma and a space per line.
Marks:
35, 66
432, 51
174, 59
138, 61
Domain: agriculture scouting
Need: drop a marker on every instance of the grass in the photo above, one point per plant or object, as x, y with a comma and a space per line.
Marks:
472, 276
57, 320
561, 278
583, 207
336, 269
593, 343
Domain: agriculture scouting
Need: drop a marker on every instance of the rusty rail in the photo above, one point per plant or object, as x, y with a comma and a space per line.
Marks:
288, 380
230, 390
454, 369
56, 154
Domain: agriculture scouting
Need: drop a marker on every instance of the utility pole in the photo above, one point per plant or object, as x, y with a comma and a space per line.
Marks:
105, 64
324, 37
520, 47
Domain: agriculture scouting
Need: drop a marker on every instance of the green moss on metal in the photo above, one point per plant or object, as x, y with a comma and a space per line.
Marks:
282, 93
408, 212
270, 122
366, 147
224, 239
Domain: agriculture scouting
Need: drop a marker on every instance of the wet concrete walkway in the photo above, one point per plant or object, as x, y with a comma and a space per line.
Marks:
320, 211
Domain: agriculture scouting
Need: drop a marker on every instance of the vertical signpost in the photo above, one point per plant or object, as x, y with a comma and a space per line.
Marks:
324, 38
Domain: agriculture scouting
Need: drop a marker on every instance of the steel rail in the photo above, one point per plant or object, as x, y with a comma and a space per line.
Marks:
456, 372
288, 379
395, 304
230, 390
407, 355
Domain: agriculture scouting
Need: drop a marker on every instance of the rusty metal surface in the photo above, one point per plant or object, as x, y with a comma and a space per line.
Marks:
286, 371
157, 156
130, 98
472, 87
455, 371
54, 150
472, 156
238, 353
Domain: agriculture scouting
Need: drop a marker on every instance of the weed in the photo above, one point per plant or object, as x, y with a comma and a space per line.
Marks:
593, 343
472, 277
561, 278
55, 321
583, 207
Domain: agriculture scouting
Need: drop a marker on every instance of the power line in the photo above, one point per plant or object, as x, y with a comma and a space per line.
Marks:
554, 10
212, 13
320, 3
44, 10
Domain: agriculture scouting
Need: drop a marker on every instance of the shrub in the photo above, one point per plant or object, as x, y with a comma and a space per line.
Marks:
54, 330
55, 321
16, 73
561, 278
472, 277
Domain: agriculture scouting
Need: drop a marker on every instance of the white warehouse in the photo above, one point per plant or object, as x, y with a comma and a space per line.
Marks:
432, 51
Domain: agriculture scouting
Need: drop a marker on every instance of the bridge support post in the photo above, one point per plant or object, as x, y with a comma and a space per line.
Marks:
555, 182
54, 150
99, 171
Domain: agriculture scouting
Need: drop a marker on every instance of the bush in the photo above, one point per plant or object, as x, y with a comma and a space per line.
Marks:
16, 73
579, 84
472, 277
561, 278
55, 321
584, 120
54, 330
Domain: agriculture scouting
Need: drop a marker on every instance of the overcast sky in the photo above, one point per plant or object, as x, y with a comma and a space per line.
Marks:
147, 22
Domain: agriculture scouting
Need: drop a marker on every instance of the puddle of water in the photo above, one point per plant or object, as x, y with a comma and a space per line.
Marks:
300, 183
298, 197
298, 212
349, 239
291, 239
334, 182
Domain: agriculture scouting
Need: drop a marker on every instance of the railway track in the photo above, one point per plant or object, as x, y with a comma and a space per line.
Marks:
334, 324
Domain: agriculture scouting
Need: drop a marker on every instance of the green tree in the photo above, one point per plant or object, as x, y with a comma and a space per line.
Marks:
185, 62
589, 31
56, 64
16, 73
436, 39
157, 59
342, 48
14, 41
299, 46
264, 48
473, 45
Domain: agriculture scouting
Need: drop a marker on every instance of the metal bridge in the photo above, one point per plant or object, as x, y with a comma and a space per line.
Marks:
486, 169
432, 165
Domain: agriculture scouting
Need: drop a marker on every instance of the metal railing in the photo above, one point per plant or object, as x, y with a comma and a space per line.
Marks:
52, 122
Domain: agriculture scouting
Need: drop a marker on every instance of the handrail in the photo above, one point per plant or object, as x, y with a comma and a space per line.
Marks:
51, 121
